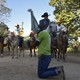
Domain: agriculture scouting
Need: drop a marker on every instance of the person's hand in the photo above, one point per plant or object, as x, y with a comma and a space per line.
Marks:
37, 42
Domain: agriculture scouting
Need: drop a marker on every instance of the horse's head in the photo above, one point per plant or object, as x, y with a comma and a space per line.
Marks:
32, 40
52, 27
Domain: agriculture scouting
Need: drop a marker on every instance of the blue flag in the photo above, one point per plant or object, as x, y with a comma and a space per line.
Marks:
34, 23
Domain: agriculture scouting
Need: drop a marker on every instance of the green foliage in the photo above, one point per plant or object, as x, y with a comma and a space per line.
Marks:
4, 11
2, 27
68, 11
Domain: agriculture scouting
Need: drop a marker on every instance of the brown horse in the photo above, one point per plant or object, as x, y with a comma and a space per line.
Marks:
53, 45
58, 42
61, 45
31, 45
4, 41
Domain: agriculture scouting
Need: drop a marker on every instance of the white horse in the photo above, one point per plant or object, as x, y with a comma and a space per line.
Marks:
52, 29
15, 45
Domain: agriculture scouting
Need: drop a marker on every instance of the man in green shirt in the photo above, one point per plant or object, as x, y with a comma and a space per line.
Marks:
44, 56
44, 47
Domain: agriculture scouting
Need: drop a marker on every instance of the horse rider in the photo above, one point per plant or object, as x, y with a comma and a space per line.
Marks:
61, 28
17, 31
6, 32
45, 21
20, 34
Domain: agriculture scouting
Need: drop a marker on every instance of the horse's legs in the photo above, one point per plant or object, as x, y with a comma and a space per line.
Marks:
34, 53
64, 53
8, 49
52, 54
58, 55
30, 52
13, 52
2, 48
20, 51
17, 51
55, 52
23, 51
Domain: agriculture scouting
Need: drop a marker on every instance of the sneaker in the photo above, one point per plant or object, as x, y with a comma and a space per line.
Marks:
61, 72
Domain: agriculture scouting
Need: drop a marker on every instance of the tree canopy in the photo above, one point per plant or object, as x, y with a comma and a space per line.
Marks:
68, 11
2, 27
4, 11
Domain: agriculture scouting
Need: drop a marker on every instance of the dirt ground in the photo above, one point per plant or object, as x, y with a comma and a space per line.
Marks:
26, 68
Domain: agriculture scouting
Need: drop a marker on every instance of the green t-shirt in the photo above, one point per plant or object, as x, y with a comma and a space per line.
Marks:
45, 42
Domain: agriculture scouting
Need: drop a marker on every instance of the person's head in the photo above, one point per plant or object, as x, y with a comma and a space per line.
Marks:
17, 26
45, 15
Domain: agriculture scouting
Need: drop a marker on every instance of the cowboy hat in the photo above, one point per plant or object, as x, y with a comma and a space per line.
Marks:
58, 21
45, 14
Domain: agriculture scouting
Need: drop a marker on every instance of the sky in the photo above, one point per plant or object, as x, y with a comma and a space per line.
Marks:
20, 13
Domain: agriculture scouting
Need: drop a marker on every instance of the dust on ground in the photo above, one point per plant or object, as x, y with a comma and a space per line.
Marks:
25, 68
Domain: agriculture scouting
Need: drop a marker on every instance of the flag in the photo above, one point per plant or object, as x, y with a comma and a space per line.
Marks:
34, 23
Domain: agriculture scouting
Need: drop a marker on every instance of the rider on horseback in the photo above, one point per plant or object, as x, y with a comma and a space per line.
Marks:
61, 28
6, 31
19, 34
44, 22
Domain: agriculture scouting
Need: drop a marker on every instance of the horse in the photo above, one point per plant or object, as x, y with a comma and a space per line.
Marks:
58, 42
52, 31
16, 45
61, 45
31, 45
53, 45
4, 41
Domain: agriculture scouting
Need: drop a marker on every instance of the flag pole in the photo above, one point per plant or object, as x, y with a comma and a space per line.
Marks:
34, 23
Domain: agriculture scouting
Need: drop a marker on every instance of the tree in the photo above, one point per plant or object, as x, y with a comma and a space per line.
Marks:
68, 11
2, 27
4, 11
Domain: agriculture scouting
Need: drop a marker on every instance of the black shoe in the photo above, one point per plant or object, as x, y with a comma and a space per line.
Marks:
61, 72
